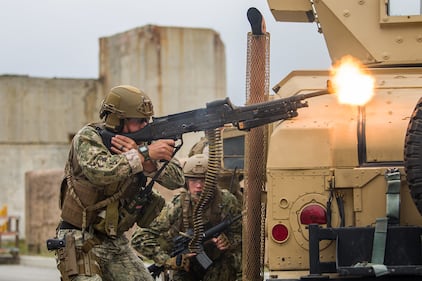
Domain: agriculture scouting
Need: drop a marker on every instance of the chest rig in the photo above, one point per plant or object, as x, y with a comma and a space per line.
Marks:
110, 209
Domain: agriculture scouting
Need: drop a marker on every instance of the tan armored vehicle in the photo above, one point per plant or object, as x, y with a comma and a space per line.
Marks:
344, 181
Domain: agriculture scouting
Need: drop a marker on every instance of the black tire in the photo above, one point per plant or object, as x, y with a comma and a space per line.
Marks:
413, 155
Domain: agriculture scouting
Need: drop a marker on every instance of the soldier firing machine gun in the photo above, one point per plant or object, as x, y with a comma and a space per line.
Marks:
216, 114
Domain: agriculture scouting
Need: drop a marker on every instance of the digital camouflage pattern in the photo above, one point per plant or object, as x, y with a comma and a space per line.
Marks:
95, 165
115, 258
156, 242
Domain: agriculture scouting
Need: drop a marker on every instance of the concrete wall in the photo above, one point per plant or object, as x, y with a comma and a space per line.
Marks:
179, 68
38, 116
46, 111
41, 219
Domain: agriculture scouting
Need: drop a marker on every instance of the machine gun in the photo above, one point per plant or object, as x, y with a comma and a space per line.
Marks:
181, 244
217, 114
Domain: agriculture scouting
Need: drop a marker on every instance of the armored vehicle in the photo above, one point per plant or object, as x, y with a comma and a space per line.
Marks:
344, 182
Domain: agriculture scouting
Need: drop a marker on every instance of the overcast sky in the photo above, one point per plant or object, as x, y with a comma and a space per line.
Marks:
60, 38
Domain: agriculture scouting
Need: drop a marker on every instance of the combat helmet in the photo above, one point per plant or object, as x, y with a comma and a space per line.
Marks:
196, 166
123, 102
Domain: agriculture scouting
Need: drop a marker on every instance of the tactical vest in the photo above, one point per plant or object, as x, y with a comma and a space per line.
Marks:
212, 215
82, 202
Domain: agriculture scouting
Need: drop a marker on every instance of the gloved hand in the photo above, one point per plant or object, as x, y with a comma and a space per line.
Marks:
179, 262
222, 242
155, 270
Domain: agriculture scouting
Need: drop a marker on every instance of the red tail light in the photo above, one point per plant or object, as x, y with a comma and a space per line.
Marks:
280, 233
313, 214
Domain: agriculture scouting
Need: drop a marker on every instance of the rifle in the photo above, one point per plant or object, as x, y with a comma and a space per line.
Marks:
216, 114
181, 245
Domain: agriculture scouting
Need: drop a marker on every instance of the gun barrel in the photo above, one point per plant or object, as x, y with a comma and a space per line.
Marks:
316, 94
217, 229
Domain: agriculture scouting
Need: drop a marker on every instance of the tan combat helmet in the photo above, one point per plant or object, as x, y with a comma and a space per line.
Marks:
124, 102
196, 166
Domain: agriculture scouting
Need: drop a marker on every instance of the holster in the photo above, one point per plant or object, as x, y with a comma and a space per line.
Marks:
66, 256
74, 260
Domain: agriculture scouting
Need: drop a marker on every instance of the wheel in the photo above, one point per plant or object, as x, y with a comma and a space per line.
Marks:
413, 155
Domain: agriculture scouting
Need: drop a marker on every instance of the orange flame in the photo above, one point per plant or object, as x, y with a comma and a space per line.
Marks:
350, 82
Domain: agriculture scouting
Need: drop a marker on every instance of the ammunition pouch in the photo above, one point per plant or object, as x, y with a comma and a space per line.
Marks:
72, 260
87, 195
148, 208
87, 263
154, 203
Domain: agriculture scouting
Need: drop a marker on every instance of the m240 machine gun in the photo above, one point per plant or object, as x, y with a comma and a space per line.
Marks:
217, 114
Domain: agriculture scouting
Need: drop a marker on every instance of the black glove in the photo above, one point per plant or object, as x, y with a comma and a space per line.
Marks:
155, 270
179, 262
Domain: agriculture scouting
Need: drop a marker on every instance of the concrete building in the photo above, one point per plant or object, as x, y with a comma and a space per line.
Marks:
179, 68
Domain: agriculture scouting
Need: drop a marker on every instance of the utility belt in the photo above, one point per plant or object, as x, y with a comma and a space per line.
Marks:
98, 236
66, 225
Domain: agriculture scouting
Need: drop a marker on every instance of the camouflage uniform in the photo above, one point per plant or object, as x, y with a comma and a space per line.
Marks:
156, 242
94, 164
